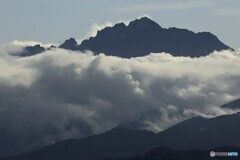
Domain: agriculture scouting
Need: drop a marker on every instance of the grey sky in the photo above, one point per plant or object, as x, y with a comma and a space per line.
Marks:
56, 20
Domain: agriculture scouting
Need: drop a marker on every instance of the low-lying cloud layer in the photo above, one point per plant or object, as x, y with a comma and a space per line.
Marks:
63, 94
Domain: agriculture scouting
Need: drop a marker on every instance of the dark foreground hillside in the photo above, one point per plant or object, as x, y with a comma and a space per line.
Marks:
195, 133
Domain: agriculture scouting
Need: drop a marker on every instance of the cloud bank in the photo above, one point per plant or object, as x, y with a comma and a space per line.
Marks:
63, 94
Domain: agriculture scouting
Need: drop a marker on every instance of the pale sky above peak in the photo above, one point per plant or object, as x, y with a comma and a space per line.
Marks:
53, 21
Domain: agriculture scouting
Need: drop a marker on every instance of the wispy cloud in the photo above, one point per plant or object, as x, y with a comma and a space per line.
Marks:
158, 6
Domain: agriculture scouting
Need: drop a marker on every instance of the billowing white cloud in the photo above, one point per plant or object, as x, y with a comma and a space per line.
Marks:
63, 94
97, 27
26, 43
17, 46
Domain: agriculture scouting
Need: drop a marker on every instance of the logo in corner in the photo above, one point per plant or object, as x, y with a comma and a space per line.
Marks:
212, 154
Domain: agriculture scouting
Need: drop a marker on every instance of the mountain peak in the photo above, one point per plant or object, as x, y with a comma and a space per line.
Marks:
71, 43
144, 36
30, 51
143, 22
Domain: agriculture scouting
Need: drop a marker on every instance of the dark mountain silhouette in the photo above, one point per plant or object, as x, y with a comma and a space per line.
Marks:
51, 47
232, 105
132, 125
165, 153
195, 133
141, 37
115, 143
70, 44
201, 133
144, 36
6, 143
31, 51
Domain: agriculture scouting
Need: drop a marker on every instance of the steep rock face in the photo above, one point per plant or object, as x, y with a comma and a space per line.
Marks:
144, 36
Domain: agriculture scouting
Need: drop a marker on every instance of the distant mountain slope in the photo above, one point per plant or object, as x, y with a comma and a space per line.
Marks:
232, 105
32, 50
203, 133
144, 36
165, 153
198, 133
115, 143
